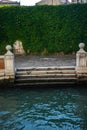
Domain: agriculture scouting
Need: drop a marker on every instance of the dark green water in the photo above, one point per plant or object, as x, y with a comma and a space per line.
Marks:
43, 109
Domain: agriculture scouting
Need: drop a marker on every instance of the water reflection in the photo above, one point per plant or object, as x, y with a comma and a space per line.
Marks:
43, 109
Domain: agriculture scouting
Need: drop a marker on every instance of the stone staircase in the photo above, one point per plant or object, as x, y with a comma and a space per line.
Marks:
45, 75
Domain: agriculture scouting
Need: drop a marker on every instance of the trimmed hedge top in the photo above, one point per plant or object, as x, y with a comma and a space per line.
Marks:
44, 29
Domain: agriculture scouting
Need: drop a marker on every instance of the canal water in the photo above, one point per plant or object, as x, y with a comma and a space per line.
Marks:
61, 108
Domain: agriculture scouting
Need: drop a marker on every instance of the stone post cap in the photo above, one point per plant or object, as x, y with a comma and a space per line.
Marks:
9, 48
81, 46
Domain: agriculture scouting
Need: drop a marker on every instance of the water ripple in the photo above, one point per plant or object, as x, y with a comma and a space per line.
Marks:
56, 109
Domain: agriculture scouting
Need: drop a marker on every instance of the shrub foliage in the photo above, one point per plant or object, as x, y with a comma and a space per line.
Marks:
49, 29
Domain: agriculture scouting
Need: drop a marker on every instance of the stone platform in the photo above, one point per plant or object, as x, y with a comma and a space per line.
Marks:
45, 61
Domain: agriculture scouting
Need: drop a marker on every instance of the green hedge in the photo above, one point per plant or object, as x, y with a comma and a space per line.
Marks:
44, 29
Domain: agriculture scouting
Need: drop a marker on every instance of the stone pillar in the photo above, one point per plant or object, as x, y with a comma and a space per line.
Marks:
81, 61
9, 63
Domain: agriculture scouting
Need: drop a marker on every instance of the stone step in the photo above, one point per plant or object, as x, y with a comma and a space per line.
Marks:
44, 83
45, 72
46, 68
48, 81
45, 75
62, 75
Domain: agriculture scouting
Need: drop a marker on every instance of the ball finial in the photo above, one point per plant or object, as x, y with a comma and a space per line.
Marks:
8, 47
81, 45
